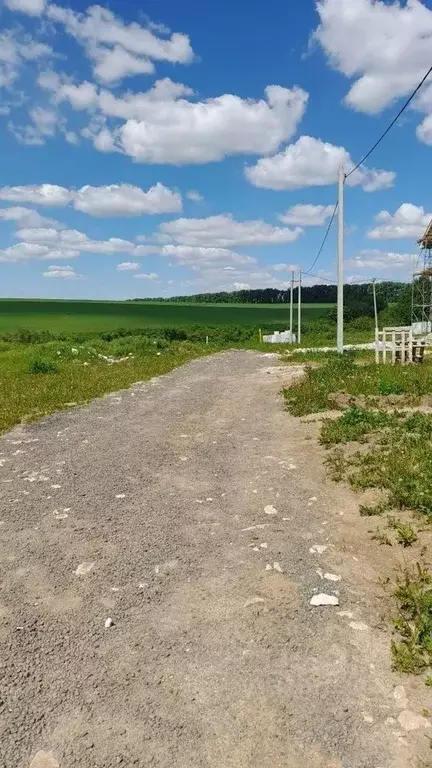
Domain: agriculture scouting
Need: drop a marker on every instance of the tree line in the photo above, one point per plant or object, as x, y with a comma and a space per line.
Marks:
387, 293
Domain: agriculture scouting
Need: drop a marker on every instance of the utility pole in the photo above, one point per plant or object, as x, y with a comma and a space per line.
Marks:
291, 304
299, 308
340, 260
375, 303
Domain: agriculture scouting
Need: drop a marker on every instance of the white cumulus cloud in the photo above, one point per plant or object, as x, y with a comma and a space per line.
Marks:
128, 266
194, 196
407, 222
17, 50
117, 48
199, 258
73, 239
30, 7
311, 162
147, 276
38, 194
109, 200
126, 200
306, 215
114, 64
225, 232
378, 260
35, 251
99, 25
62, 272
162, 126
384, 46
26, 217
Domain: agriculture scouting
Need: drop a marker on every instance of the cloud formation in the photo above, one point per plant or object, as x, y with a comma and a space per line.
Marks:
306, 215
311, 162
61, 272
128, 266
109, 200
378, 261
384, 46
407, 222
224, 231
162, 126
117, 49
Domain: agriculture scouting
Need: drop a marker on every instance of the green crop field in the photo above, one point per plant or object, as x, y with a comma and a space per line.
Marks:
87, 316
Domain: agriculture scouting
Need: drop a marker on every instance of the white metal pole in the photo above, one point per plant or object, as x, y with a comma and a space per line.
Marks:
340, 260
292, 304
375, 303
299, 308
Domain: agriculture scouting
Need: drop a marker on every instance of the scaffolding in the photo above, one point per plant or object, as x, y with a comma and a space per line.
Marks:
422, 286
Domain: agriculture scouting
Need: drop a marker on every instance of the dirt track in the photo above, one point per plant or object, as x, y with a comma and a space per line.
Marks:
185, 509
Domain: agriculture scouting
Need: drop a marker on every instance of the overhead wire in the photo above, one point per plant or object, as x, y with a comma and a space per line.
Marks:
389, 127
331, 281
323, 241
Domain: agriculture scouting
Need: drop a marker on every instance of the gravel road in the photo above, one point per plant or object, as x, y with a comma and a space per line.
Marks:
159, 550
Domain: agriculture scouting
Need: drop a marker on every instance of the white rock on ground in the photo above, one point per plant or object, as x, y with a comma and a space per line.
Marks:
317, 549
44, 760
84, 568
324, 599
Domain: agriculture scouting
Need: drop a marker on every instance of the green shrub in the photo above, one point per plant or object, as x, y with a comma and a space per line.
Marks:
42, 366
413, 621
355, 424
390, 387
175, 334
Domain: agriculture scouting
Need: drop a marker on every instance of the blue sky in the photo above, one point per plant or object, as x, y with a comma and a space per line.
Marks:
188, 147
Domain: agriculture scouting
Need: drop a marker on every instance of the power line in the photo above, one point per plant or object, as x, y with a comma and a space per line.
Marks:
333, 281
324, 241
395, 119
319, 277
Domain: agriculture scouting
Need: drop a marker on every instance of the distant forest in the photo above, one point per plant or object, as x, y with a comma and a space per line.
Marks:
387, 293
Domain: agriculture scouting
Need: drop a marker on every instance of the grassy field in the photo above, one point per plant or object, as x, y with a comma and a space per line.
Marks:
380, 447
83, 316
37, 379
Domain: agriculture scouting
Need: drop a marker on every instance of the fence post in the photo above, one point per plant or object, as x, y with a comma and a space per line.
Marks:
384, 342
393, 342
403, 348
410, 346
377, 346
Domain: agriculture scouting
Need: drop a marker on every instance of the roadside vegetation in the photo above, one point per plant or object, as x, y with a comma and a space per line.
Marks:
383, 441
45, 370
39, 378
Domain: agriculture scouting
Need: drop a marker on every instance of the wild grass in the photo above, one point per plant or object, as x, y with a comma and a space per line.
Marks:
399, 460
372, 510
36, 380
405, 532
395, 459
355, 424
413, 622
341, 373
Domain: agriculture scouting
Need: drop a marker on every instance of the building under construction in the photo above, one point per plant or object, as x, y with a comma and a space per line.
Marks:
422, 286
